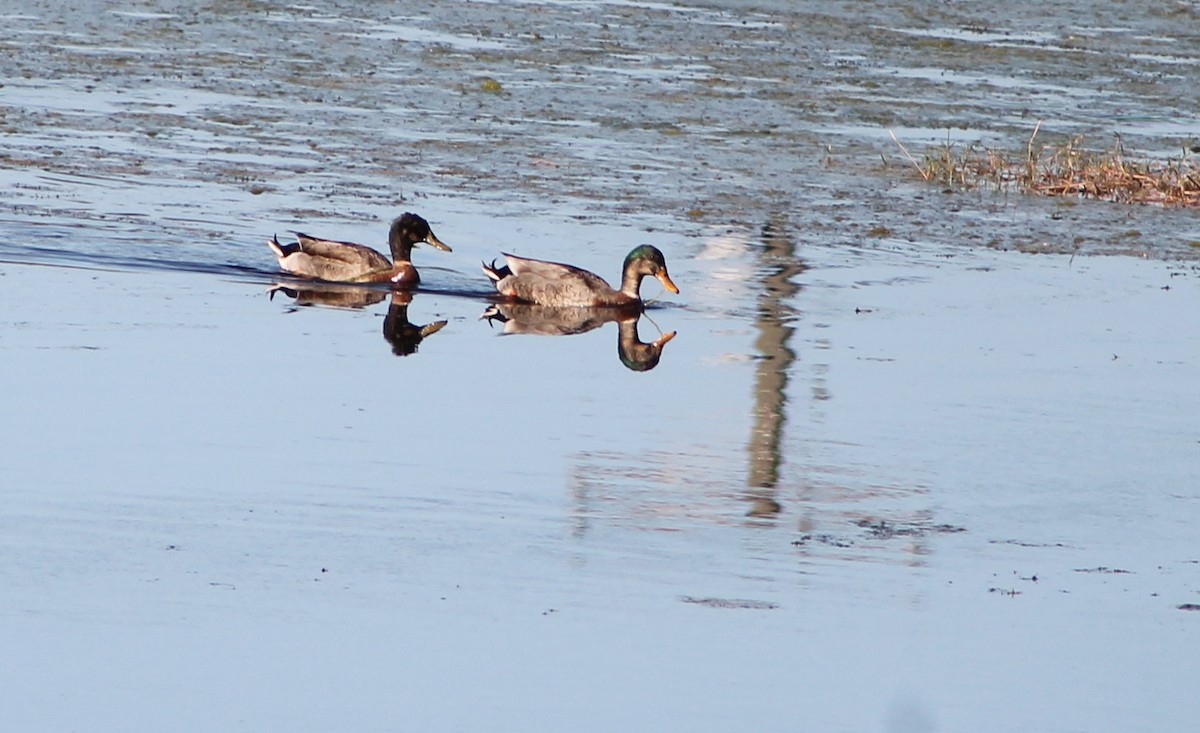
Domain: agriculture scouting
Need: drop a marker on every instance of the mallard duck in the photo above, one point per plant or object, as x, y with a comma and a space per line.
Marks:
551, 283
327, 259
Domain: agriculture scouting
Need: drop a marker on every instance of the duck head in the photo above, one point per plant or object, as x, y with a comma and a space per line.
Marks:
410, 229
647, 260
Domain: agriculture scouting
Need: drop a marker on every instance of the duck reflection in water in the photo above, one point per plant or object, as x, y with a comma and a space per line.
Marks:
546, 320
402, 334
328, 295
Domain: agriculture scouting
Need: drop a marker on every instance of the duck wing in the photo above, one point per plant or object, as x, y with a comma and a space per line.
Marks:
347, 252
554, 272
555, 284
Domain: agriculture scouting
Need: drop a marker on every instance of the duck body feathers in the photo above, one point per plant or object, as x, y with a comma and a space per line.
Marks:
553, 283
327, 259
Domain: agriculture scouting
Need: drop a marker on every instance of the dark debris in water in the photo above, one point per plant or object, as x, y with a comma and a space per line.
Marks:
1104, 570
1010, 592
1022, 543
822, 539
880, 529
729, 603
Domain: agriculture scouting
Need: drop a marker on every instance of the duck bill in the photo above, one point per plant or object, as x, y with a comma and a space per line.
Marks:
432, 328
665, 279
664, 339
435, 242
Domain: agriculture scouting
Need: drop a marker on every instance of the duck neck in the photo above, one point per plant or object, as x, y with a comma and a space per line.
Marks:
627, 334
401, 249
631, 283
634, 353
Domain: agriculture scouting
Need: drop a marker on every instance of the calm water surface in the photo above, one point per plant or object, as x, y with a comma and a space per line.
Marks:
894, 472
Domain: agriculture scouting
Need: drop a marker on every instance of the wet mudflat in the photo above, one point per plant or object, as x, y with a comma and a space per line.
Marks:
891, 474
195, 126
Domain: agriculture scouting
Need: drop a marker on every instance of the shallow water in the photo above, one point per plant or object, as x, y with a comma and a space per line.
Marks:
962, 495
892, 473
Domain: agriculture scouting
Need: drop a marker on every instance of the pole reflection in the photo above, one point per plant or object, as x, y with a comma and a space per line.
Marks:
779, 266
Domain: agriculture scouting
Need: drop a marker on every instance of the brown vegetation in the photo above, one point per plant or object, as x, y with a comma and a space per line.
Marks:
1064, 170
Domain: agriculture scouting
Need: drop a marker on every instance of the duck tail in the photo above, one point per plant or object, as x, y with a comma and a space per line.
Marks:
493, 314
275, 246
289, 292
282, 250
495, 273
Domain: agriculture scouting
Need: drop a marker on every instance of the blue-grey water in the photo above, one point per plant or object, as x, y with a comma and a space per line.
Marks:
915, 459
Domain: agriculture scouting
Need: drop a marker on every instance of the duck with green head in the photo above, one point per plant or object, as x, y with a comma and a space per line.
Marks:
553, 283
327, 259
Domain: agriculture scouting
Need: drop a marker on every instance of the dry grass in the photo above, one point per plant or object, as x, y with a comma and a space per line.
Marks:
1064, 170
